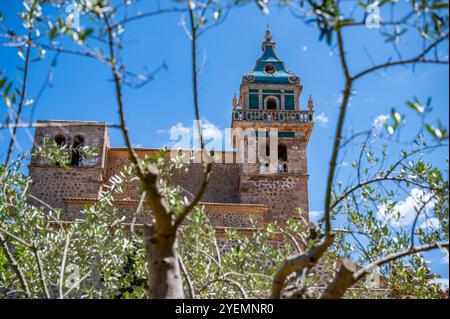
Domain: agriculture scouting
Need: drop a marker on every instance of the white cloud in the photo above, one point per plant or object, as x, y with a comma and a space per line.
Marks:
322, 119
210, 131
431, 224
379, 121
182, 136
315, 215
404, 212
444, 259
338, 98
179, 129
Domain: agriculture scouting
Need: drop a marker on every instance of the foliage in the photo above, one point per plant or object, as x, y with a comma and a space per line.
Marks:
60, 154
109, 254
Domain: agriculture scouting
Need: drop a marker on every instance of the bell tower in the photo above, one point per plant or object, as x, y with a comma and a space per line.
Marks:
268, 110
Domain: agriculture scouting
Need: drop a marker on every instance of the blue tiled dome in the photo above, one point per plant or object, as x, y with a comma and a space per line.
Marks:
269, 67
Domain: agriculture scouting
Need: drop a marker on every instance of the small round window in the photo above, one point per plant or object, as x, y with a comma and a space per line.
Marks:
269, 68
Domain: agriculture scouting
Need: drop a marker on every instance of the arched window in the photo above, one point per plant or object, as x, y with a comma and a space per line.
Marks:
271, 104
60, 140
282, 153
77, 158
282, 159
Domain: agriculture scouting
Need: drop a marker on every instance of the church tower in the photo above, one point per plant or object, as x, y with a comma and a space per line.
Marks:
268, 109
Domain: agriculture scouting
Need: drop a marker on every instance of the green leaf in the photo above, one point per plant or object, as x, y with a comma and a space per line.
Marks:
8, 88
416, 106
362, 4
439, 6
83, 35
53, 32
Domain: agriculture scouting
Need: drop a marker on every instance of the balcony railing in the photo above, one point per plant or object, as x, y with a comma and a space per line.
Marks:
272, 116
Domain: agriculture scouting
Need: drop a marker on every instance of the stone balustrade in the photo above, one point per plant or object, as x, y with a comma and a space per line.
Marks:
272, 115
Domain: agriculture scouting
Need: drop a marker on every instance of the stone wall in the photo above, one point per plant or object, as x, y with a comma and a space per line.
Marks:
220, 215
53, 184
296, 155
117, 158
94, 134
223, 185
283, 193
235, 215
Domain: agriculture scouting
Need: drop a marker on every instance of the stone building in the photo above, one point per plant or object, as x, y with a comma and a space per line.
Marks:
267, 189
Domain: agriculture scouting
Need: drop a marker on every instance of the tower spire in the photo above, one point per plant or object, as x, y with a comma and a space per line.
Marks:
310, 103
268, 36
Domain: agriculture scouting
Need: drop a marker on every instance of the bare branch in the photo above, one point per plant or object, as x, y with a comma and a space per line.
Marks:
298, 262
338, 134
337, 288
22, 94
347, 276
208, 166
393, 256
63, 267
418, 59
187, 278
41, 270
117, 79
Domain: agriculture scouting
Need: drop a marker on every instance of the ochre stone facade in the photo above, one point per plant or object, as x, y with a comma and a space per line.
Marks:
238, 191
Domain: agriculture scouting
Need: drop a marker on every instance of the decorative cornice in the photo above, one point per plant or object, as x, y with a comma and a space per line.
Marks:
68, 168
274, 175
210, 207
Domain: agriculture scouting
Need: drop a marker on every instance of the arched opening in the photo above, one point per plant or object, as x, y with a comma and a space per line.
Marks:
282, 158
282, 153
271, 104
60, 140
77, 158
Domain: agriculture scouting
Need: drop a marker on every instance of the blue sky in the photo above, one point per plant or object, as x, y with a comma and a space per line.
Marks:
82, 89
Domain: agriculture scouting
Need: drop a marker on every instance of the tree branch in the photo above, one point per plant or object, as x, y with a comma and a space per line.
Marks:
22, 94
298, 262
15, 266
63, 267
187, 278
347, 276
338, 134
418, 59
208, 166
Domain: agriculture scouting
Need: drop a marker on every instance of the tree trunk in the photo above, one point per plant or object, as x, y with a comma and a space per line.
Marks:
162, 263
